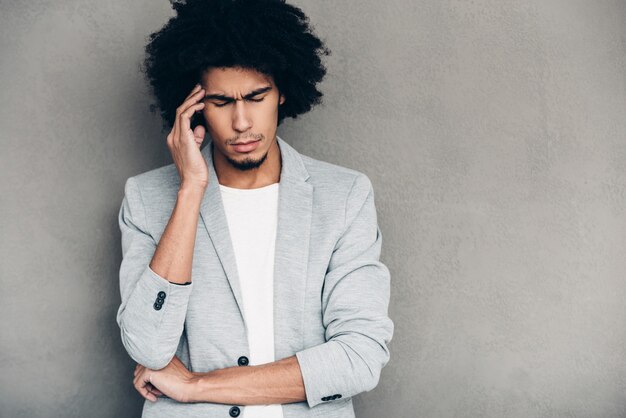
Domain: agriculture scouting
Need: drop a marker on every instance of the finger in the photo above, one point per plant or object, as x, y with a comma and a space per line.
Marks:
154, 390
141, 386
194, 90
148, 395
185, 117
169, 139
176, 130
140, 380
198, 133
143, 391
174, 139
193, 99
136, 382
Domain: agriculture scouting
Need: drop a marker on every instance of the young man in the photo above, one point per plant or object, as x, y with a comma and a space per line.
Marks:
250, 282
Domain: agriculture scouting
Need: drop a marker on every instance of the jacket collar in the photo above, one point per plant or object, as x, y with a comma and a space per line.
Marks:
292, 243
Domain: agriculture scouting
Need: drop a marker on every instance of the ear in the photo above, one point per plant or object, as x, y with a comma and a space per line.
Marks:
282, 99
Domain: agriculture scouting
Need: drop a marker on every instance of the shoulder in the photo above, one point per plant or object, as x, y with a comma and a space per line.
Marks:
158, 179
155, 186
335, 179
161, 177
341, 193
339, 190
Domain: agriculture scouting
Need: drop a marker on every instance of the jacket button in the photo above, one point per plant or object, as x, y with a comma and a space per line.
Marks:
161, 295
157, 306
325, 398
234, 411
337, 396
242, 361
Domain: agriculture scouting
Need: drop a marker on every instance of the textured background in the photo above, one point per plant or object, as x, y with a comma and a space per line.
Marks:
494, 132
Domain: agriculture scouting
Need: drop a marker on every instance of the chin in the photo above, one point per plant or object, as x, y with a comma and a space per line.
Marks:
249, 161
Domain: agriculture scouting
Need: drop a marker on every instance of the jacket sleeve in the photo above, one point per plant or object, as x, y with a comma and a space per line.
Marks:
152, 312
355, 299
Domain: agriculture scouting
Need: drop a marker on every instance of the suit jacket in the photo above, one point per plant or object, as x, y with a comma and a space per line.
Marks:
331, 292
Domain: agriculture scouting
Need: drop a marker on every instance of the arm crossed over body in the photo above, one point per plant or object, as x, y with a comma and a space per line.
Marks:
355, 301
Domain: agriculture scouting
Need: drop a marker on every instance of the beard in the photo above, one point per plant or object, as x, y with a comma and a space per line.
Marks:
247, 163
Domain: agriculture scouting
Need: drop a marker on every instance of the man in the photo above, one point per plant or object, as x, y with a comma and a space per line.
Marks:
250, 282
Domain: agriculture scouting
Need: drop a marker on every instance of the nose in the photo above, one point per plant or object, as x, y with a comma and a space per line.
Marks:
241, 118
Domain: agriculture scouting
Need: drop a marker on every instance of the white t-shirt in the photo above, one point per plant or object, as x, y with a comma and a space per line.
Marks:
252, 216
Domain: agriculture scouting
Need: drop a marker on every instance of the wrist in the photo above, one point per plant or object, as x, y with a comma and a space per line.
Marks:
192, 194
199, 384
192, 187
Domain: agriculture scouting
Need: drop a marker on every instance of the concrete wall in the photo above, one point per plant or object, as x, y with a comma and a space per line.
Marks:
494, 132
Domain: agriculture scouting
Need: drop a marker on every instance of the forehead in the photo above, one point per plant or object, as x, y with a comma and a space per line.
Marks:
234, 79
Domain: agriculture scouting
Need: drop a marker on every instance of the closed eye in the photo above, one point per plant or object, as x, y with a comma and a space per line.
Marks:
250, 100
223, 100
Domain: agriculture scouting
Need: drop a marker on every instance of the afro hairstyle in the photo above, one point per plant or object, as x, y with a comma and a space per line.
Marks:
269, 36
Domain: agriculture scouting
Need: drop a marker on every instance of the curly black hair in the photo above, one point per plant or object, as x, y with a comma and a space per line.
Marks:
269, 36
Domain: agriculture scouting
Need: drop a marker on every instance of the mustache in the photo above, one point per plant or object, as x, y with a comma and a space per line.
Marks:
256, 137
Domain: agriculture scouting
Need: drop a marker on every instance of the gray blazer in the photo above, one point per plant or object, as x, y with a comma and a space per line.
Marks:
331, 292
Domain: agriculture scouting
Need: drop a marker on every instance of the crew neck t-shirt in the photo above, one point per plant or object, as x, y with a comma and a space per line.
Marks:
252, 217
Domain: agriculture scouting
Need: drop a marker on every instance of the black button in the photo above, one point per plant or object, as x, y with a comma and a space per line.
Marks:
242, 361
159, 301
157, 306
234, 411
337, 396
325, 398
161, 294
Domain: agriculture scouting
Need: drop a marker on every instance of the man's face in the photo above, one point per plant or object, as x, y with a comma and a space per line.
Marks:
241, 105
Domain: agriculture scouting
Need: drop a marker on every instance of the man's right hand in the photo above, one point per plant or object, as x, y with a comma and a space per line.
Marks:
184, 144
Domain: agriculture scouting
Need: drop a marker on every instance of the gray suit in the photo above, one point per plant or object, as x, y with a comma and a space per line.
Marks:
331, 292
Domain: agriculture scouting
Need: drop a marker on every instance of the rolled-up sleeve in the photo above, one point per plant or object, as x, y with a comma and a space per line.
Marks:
355, 300
152, 312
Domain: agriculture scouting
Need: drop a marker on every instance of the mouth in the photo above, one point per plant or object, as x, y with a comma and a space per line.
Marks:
245, 147
244, 143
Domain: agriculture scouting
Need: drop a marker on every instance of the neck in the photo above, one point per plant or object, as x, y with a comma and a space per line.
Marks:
264, 175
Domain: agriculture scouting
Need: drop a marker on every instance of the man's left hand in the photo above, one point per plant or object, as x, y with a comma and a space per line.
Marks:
173, 381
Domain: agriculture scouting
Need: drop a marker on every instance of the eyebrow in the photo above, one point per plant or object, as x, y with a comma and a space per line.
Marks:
247, 96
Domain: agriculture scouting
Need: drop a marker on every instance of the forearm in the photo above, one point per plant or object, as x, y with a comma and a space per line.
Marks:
174, 254
153, 310
272, 383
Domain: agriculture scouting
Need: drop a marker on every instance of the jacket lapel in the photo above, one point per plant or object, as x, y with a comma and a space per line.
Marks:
295, 204
214, 219
295, 197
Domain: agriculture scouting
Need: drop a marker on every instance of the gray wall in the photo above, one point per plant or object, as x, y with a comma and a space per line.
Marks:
494, 133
